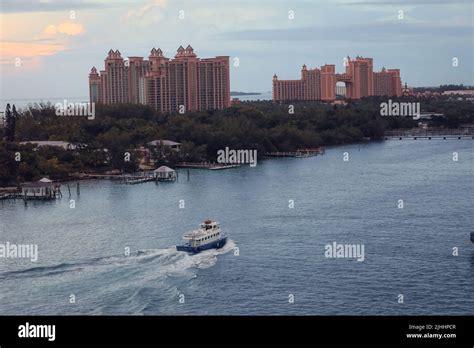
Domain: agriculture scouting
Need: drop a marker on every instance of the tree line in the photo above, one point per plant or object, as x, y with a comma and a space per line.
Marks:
100, 144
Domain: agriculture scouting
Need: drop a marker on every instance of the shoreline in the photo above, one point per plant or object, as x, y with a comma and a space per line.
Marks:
209, 165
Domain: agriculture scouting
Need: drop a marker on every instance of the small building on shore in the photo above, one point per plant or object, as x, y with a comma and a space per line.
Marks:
54, 143
165, 173
42, 189
154, 150
169, 144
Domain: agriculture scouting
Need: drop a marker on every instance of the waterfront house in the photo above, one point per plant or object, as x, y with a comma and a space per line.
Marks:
42, 189
169, 144
165, 173
159, 149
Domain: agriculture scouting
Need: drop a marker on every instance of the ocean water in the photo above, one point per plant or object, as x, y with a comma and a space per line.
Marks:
25, 102
253, 97
275, 260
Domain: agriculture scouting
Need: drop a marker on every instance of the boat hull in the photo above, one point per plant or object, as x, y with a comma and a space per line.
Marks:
217, 244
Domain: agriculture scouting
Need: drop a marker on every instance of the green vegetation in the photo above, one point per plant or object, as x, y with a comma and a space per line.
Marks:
101, 143
443, 88
10, 122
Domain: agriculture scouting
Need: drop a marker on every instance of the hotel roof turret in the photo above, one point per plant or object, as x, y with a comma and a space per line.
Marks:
114, 55
156, 52
185, 52
179, 52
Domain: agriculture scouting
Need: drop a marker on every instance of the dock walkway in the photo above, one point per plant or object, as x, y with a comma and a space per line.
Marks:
206, 165
299, 153
444, 134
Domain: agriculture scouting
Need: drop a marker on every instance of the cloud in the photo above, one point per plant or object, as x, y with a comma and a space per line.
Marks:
146, 9
67, 28
389, 32
406, 2
19, 6
50, 42
11, 50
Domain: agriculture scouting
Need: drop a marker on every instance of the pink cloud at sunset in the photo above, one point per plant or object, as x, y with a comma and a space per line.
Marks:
67, 28
9, 51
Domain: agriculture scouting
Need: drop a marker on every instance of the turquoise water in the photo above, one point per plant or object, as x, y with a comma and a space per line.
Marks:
275, 253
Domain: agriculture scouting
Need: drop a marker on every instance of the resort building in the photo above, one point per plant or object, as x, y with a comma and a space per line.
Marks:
388, 83
359, 81
315, 84
185, 83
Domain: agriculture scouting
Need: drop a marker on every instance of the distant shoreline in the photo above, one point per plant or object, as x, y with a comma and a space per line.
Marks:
235, 93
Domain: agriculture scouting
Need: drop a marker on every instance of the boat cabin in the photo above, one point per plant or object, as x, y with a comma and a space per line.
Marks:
210, 225
208, 232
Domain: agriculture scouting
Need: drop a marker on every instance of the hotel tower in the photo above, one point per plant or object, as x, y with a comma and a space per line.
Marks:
359, 79
185, 83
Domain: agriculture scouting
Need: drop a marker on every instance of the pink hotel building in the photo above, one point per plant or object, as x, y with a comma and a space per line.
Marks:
165, 84
320, 84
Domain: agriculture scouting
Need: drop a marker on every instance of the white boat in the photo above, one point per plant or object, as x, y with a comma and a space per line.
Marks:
208, 236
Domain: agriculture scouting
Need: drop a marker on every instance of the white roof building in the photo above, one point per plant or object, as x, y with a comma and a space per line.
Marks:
165, 173
164, 142
56, 143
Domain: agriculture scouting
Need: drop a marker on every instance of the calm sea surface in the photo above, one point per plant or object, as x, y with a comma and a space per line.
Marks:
280, 250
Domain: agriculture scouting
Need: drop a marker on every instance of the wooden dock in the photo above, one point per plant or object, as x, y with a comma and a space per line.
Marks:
103, 176
206, 165
224, 166
299, 153
9, 196
429, 137
126, 179
416, 134
9, 192
138, 180
38, 190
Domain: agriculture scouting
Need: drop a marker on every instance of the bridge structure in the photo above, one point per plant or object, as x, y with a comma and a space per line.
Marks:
416, 134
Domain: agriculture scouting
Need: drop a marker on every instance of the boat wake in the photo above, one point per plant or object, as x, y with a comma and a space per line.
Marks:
168, 261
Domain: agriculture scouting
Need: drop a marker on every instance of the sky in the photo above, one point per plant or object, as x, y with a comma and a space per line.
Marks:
48, 47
